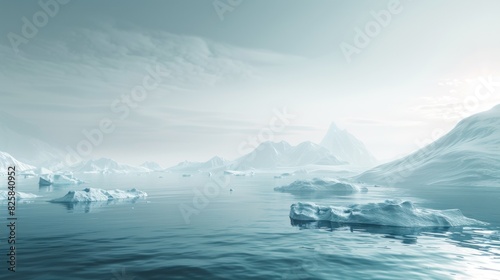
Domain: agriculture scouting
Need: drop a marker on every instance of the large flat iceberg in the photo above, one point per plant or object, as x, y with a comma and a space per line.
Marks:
321, 185
389, 213
94, 195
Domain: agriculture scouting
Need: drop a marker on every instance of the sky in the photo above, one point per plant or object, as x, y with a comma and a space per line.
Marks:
169, 81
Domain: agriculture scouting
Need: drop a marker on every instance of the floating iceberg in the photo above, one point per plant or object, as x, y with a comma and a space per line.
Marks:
19, 195
239, 173
39, 171
58, 179
93, 195
388, 213
321, 185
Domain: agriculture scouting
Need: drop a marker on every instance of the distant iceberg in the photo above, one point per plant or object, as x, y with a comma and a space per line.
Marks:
19, 195
321, 185
58, 179
239, 173
94, 195
389, 213
36, 172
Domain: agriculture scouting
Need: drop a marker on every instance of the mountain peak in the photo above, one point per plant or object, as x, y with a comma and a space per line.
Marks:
152, 166
278, 146
346, 147
333, 127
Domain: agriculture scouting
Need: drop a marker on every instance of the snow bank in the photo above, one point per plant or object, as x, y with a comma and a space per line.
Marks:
19, 195
321, 185
92, 195
468, 155
7, 160
388, 213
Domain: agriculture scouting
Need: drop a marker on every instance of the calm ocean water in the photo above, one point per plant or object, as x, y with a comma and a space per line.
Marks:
243, 234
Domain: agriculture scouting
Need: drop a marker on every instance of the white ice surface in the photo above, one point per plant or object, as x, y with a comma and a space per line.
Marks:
6, 160
468, 155
388, 213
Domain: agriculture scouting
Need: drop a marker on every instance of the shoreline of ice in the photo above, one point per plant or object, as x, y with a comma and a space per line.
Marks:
389, 213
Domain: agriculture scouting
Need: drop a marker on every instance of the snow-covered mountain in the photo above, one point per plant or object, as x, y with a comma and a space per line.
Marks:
346, 147
7, 160
467, 155
152, 166
27, 143
210, 165
270, 155
105, 166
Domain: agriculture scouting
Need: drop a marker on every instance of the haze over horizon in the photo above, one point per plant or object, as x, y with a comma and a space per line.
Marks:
223, 82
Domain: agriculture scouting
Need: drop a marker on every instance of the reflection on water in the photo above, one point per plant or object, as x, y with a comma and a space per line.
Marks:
94, 206
474, 238
407, 235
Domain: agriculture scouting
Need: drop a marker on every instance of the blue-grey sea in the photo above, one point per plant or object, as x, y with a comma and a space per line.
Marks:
245, 233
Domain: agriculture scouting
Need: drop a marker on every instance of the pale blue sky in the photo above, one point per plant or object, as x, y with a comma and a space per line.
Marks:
226, 77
